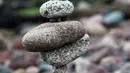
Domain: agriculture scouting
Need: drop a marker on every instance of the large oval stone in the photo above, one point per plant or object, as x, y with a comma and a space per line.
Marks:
49, 36
56, 8
68, 53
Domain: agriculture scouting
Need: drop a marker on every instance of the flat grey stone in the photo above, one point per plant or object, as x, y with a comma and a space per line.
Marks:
49, 36
56, 8
66, 54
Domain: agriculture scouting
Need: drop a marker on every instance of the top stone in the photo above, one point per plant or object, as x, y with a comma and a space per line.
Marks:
56, 8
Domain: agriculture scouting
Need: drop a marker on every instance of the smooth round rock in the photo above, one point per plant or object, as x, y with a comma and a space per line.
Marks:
56, 8
19, 71
122, 2
113, 18
4, 69
83, 6
93, 26
96, 18
32, 69
68, 53
45, 68
111, 63
50, 36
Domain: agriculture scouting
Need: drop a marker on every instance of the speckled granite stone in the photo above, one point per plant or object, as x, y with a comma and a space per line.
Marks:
56, 8
50, 36
62, 69
66, 54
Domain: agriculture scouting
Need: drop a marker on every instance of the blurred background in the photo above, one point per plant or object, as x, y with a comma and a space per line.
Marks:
106, 21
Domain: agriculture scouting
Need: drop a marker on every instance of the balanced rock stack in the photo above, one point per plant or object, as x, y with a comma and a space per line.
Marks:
59, 41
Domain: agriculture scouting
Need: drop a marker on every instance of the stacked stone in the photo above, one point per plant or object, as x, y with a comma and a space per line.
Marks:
59, 41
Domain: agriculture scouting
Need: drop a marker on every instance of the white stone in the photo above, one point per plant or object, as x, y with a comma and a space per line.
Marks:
56, 8
83, 6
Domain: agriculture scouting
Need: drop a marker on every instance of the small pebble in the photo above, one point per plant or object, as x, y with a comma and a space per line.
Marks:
19, 71
45, 68
96, 18
113, 18
32, 69
111, 63
123, 2
93, 25
83, 6
4, 69
108, 38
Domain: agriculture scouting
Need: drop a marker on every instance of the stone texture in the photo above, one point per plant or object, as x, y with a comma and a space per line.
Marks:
53, 8
61, 69
49, 36
66, 54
